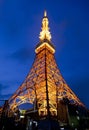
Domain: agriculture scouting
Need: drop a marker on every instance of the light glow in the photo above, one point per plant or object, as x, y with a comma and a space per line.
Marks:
42, 45
45, 33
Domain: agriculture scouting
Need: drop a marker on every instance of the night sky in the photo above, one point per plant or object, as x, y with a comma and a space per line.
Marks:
20, 25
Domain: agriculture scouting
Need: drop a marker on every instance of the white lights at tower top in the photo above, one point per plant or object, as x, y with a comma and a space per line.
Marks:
45, 33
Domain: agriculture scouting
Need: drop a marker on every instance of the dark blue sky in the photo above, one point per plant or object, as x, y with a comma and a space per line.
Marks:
20, 25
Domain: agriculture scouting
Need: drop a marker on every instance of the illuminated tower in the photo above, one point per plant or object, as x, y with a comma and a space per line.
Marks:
44, 86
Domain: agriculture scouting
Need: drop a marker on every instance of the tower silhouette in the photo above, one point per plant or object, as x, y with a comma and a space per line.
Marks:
44, 86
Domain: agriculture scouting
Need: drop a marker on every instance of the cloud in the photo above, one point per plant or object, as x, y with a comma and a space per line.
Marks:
3, 98
81, 89
22, 55
2, 87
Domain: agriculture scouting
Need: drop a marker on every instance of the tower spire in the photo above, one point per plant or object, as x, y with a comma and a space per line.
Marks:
45, 33
45, 13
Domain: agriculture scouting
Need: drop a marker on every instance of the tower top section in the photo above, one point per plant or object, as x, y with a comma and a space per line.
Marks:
45, 33
45, 36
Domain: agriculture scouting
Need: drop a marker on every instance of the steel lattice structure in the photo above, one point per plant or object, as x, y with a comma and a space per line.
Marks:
44, 86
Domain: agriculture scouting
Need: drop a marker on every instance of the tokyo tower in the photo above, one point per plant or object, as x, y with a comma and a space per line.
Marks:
44, 86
